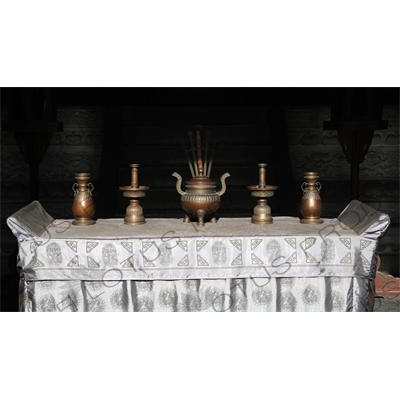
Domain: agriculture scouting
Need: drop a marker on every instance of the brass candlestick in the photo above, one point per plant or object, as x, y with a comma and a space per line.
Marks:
262, 211
134, 212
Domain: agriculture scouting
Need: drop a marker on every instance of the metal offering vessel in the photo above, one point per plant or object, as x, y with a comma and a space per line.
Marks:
200, 198
262, 211
83, 204
311, 203
134, 212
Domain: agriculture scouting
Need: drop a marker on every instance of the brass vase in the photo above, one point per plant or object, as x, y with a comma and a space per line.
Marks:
311, 203
83, 205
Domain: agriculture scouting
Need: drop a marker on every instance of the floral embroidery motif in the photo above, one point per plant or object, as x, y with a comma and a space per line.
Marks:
239, 303
334, 301
191, 302
47, 303
97, 304
144, 304
262, 297
167, 298
119, 300
311, 295
288, 302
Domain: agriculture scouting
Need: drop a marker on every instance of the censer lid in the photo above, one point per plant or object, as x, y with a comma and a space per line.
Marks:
201, 180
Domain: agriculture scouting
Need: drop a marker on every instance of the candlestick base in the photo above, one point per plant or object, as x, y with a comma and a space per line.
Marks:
262, 211
134, 212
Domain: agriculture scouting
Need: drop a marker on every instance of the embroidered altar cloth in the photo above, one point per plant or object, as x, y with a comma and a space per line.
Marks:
169, 252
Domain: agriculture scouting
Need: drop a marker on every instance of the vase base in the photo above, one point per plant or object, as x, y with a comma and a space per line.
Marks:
83, 222
311, 221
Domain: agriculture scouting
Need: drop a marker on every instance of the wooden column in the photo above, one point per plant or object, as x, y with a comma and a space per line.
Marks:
32, 118
355, 113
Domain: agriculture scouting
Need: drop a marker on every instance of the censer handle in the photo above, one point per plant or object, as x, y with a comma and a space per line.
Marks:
223, 184
178, 183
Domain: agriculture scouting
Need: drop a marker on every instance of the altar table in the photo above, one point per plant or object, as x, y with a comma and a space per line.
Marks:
169, 265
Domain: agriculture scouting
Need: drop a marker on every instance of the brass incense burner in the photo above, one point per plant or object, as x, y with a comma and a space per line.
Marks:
134, 212
262, 211
200, 198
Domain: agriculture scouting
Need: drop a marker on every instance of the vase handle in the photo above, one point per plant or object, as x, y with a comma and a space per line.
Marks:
90, 187
304, 186
319, 186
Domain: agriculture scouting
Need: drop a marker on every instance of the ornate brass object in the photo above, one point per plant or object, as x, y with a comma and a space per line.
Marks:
83, 205
200, 198
262, 211
311, 204
134, 212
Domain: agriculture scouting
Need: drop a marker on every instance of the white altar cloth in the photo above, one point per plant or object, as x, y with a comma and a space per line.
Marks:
168, 265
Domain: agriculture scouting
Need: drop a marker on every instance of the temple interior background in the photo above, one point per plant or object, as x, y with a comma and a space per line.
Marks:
49, 134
